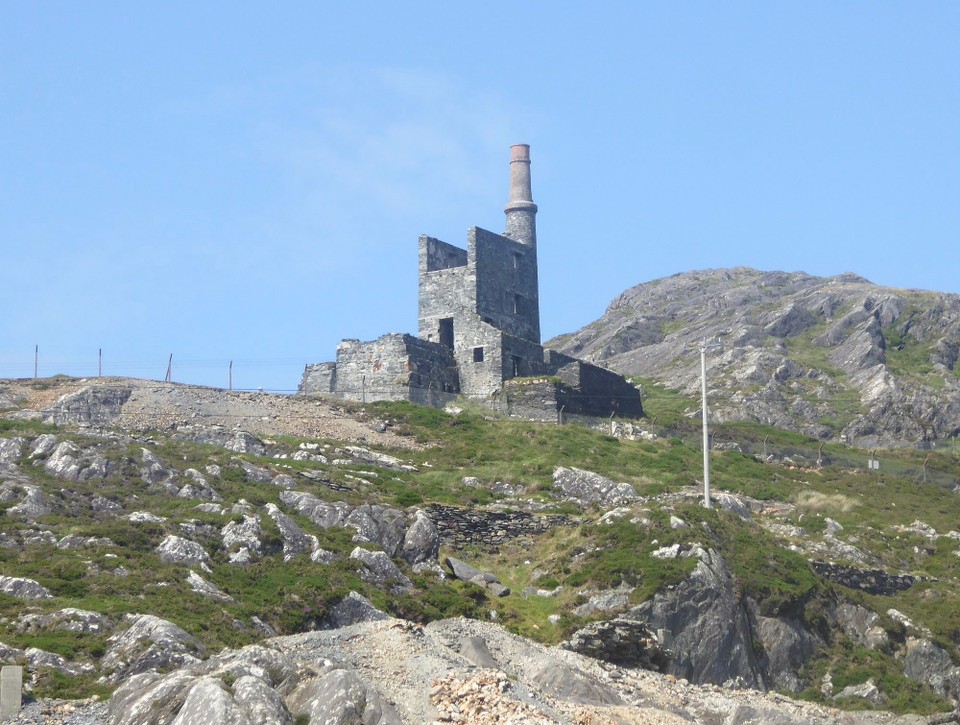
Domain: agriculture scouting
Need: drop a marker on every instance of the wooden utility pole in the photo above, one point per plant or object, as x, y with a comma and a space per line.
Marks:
169, 368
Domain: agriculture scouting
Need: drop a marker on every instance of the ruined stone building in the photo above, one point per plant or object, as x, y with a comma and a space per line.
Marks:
479, 332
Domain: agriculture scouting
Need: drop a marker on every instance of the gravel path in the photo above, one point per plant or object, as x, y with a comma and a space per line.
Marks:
158, 405
61, 712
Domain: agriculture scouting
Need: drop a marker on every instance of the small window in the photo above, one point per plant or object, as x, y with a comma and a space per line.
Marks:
516, 260
516, 366
516, 304
478, 354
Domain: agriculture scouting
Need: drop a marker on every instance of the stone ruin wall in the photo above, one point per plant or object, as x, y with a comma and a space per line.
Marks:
506, 283
392, 367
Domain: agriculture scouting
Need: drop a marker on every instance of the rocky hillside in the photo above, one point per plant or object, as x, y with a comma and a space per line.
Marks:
175, 554
834, 357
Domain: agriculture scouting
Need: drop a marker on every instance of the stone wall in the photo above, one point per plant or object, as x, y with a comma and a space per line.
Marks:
507, 287
318, 378
545, 398
392, 367
461, 527
596, 391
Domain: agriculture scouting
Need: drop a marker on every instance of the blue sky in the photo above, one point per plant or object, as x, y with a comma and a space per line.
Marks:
238, 181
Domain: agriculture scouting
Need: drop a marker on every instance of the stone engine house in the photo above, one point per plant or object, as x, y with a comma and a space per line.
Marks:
479, 332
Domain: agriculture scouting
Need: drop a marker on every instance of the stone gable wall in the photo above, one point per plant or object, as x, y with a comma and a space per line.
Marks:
506, 275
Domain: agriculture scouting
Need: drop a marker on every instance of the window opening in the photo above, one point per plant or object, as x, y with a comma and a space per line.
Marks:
446, 332
478, 354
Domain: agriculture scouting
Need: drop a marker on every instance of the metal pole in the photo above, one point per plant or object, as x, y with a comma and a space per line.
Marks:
231, 375
100, 363
36, 358
169, 368
706, 435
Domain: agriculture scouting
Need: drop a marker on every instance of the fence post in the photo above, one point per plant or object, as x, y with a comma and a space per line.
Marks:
11, 684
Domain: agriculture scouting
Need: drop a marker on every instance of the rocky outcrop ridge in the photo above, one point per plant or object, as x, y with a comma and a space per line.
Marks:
795, 349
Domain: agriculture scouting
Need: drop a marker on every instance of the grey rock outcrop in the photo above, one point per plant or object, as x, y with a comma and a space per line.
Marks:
242, 539
148, 643
353, 609
586, 487
930, 664
69, 463
177, 550
66, 620
294, 540
22, 588
567, 683
710, 635
33, 505
860, 327
379, 570
464, 572
91, 405
202, 586
11, 450
862, 626
787, 646
622, 641
421, 542
340, 697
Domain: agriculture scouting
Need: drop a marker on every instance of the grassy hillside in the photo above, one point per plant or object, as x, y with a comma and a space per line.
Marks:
586, 555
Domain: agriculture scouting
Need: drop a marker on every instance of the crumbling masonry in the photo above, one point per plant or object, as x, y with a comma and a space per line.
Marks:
479, 332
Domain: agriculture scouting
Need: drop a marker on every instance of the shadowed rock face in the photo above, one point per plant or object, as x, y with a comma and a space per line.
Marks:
708, 627
794, 349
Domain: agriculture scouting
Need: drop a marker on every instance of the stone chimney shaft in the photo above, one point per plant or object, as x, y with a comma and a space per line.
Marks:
520, 210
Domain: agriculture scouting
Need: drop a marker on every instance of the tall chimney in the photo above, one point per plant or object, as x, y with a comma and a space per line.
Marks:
520, 210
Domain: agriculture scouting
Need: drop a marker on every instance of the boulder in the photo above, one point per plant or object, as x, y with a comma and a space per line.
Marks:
377, 524
867, 691
340, 697
11, 450
323, 513
606, 601
379, 569
202, 586
243, 535
23, 588
43, 445
149, 643
421, 543
255, 473
208, 701
475, 649
564, 682
153, 471
353, 609
294, 540
177, 550
33, 505
586, 487
862, 626
66, 620
375, 458
37, 658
